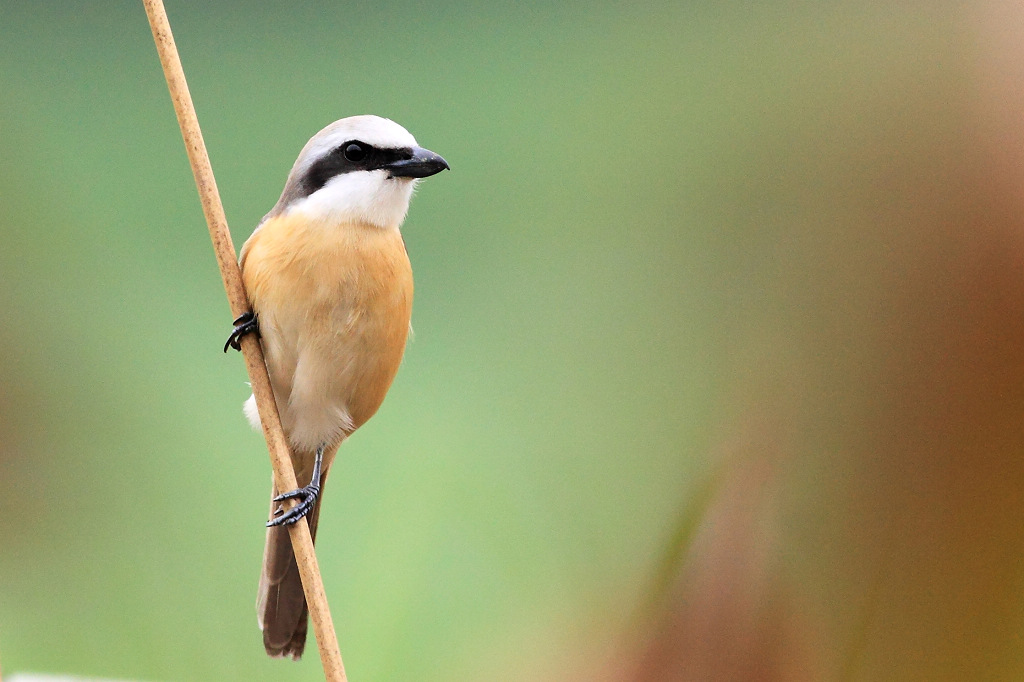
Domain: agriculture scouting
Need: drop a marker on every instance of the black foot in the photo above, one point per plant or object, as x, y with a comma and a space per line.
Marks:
245, 323
307, 498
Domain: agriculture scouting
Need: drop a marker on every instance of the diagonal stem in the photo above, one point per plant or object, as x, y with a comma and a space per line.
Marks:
280, 457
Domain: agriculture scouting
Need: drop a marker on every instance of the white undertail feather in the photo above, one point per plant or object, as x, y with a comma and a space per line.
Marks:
330, 424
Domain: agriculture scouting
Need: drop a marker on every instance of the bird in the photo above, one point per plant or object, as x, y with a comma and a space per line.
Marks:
330, 289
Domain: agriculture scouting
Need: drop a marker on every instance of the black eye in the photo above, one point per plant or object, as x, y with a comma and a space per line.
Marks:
354, 152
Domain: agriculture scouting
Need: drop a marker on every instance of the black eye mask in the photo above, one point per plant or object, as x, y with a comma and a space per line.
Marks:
348, 157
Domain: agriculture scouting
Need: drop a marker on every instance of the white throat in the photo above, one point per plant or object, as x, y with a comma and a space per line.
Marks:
361, 197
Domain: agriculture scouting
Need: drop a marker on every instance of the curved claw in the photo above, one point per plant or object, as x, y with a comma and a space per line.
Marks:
307, 498
246, 323
306, 495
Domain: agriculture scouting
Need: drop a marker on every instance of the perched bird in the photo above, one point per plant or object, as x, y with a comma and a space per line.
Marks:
330, 286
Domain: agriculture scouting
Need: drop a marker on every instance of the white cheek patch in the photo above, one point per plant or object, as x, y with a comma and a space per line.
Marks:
360, 196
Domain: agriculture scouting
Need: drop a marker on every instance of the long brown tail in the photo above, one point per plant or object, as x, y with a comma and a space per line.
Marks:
281, 604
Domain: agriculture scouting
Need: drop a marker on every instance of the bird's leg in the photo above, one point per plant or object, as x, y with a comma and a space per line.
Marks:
245, 323
306, 495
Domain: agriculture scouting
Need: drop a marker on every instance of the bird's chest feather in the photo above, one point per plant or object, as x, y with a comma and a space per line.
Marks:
334, 303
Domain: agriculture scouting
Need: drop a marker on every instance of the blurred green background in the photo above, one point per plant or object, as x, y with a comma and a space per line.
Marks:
717, 324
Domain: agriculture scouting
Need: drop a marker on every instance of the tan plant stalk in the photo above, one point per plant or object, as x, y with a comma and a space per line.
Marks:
280, 456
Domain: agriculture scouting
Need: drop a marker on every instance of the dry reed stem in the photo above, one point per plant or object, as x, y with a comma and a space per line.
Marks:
280, 457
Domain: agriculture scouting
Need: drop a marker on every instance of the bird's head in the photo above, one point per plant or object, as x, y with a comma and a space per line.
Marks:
360, 169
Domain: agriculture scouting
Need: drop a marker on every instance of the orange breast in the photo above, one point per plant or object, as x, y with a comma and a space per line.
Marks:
334, 303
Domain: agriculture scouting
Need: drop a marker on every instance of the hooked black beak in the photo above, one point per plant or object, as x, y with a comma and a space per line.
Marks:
422, 164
